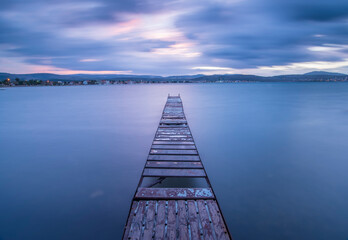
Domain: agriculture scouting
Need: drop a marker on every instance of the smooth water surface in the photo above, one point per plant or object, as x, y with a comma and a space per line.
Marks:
276, 154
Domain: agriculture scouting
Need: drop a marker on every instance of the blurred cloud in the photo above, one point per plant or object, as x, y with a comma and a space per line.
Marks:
173, 37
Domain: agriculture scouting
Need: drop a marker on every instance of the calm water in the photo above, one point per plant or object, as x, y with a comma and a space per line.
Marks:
276, 154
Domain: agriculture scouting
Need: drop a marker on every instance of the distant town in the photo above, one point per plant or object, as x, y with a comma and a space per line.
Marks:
43, 79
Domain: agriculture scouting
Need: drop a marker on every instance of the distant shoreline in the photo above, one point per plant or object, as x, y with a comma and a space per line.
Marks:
50, 84
47, 79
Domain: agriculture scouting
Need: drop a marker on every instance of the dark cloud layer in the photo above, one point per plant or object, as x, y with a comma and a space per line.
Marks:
268, 32
231, 34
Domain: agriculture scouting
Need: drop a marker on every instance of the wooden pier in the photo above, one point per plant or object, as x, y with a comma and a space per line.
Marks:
174, 198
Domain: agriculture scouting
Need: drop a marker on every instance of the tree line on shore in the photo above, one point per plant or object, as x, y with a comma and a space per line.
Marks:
33, 82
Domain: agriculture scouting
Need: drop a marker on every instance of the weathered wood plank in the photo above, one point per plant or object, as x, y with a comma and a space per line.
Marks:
137, 223
172, 139
173, 104
170, 130
172, 112
172, 164
173, 152
174, 126
173, 133
178, 147
160, 220
174, 157
173, 108
193, 220
171, 220
174, 193
162, 172
160, 135
175, 121
182, 220
173, 116
173, 142
205, 221
218, 223
149, 220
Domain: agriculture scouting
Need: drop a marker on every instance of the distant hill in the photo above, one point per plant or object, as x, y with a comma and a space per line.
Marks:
316, 73
311, 76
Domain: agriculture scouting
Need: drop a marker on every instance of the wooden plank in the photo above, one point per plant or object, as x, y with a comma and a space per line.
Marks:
182, 220
185, 132
159, 134
173, 133
205, 221
173, 108
173, 152
172, 164
173, 117
173, 136
173, 142
174, 157
167, 111
173, 104
172, 139
175, 121
173, 129
137, 223
171, 220
218, 223
174, 126
157, 172
173, 147
160, 220
174, 193
172, 114
130, 219
193, 220
149, 220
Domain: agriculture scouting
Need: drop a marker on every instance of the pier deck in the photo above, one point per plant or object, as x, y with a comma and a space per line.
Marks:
174, 198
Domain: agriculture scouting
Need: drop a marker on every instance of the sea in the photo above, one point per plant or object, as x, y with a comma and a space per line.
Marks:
276, 155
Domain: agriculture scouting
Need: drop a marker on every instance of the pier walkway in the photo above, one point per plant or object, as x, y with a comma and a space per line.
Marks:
174, 198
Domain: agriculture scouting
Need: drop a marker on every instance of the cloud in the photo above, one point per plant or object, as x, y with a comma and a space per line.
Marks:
173, 37
248, 34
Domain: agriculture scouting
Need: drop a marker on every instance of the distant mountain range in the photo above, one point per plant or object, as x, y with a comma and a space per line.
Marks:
311, 76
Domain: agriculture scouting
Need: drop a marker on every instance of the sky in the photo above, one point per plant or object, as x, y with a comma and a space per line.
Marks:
173, 37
